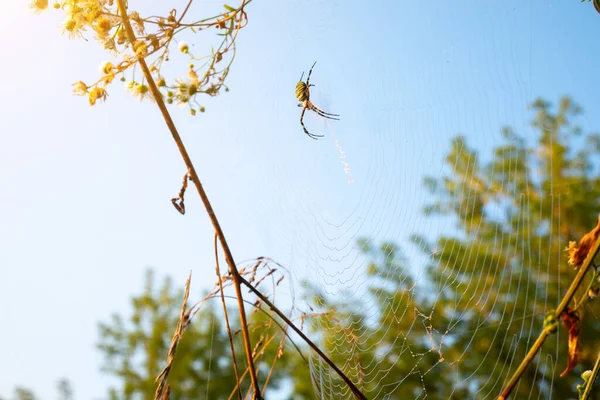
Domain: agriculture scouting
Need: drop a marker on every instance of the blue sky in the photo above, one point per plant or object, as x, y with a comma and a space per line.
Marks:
85, 200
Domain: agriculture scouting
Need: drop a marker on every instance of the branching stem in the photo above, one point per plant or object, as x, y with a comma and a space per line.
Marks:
188, 162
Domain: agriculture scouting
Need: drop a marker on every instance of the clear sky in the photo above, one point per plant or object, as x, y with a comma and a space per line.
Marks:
85, 191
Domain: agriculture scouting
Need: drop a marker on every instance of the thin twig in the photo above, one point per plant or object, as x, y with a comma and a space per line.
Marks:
235, 366
559, 310
188, 162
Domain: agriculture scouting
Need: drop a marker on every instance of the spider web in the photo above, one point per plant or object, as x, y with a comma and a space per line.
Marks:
450, 309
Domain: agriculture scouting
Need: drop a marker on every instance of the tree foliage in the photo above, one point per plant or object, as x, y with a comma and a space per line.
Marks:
460, 331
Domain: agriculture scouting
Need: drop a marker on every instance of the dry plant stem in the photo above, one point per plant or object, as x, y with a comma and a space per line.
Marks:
188, 162
559, 310
229, 335
357, 393
591, 380
163, 389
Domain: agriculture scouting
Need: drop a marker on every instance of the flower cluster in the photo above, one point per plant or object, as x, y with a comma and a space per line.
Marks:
154, 36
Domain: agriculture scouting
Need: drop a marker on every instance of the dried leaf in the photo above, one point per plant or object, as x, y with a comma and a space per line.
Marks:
572, 323
577, 254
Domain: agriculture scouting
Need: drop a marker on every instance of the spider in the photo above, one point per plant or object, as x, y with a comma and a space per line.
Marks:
303, 94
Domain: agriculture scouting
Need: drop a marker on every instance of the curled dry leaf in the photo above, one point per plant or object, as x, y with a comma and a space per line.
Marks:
577, 254
572, 323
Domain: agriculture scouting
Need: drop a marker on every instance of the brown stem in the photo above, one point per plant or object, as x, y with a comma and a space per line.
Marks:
559, 310
188, 162
229, 335
357, 393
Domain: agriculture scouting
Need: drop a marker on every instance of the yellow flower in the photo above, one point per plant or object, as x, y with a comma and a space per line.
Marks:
80, 88
103, 26
95, 94
38, 5
141, 91
70, 25
74, 25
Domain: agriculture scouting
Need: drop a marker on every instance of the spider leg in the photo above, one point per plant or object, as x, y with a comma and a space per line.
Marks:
328, 117
319, 111
308, 78
323, 113
310, 135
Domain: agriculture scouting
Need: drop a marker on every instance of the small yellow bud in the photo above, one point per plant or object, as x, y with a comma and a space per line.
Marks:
107, 68
143, 89
202, 109
161, 82
39, 5
192, 111
56, 6
586, 375
170, 100
183, 47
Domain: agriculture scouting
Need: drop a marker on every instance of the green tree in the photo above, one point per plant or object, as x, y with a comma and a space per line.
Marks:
63, 386
22, 393
65, 392
459, 331
515, 215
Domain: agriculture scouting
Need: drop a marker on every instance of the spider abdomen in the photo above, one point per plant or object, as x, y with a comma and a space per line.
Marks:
302, 92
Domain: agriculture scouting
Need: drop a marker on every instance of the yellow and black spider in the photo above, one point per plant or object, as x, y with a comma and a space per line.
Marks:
303, 94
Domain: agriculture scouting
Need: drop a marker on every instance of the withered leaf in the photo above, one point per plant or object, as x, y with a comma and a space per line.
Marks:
577, 254
572, 323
